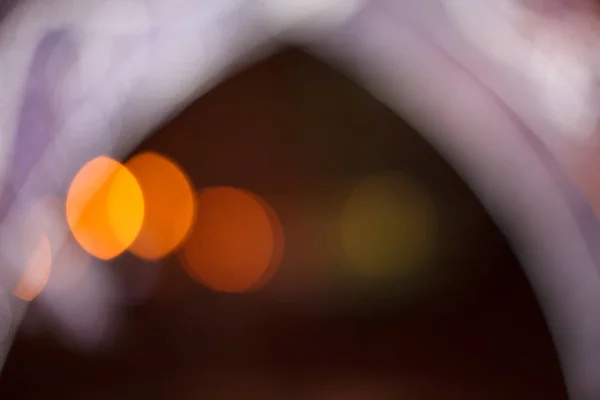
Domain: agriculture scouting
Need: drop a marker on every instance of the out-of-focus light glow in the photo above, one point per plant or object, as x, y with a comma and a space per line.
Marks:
549, 44
561, 65
69, 260
307, 14
36, 275
388, 225
37, 249
105, 208
169, 205
236, 243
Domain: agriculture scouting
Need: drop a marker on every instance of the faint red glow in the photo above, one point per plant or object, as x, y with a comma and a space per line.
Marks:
237, 241
69, 261
36, 274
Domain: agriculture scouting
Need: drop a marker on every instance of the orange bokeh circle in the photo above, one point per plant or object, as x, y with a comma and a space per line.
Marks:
236, 243
169, 205
37, 272
105, 208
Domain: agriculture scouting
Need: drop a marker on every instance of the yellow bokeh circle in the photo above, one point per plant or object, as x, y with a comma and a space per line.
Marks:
388, 225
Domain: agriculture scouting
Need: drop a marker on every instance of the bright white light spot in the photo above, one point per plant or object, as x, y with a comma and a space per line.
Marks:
565, 92
307, 14
549, 51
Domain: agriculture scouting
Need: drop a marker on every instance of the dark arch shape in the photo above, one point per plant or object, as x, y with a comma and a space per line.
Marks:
225, 103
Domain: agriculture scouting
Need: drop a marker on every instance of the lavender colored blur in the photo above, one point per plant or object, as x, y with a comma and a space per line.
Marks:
39, 120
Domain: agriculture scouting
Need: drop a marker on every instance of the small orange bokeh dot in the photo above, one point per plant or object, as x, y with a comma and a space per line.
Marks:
36, 274
169, 205
236, 243
37, 248
105, 208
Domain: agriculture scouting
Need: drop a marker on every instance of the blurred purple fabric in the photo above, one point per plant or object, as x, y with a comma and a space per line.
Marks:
39, 120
